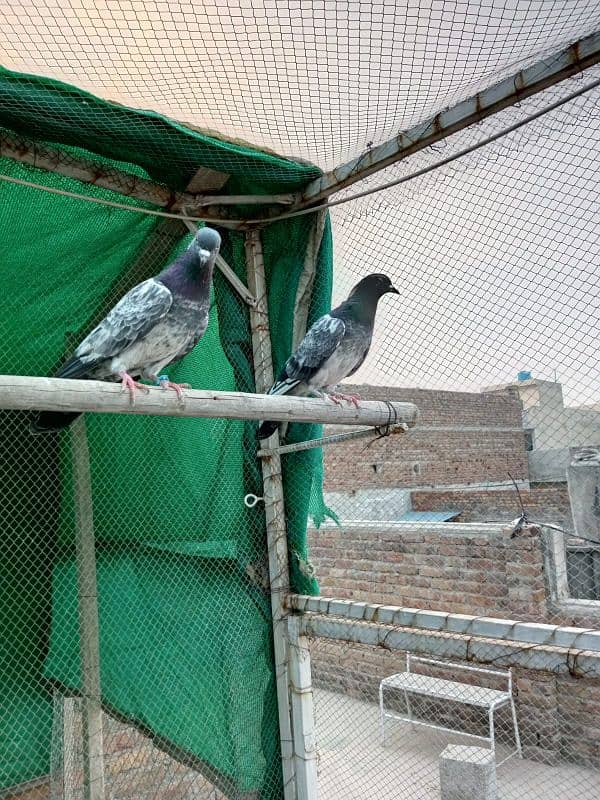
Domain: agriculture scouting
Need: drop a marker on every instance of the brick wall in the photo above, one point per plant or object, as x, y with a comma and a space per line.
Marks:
459, 568
134, 769
467, 569
434, 458
544, 502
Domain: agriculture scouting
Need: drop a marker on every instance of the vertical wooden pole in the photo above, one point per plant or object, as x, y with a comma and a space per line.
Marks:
274, 507
93, 751
303, 719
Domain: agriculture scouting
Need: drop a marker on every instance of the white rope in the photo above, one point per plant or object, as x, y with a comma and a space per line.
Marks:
114, 203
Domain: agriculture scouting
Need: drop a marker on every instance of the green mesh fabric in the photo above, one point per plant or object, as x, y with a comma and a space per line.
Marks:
185, 630
168, 151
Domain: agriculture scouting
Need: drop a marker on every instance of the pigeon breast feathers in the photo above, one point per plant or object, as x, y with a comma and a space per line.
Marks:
130, 320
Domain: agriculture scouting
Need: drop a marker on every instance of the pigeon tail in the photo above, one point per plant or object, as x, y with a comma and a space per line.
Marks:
284, 385
267, 429
50, 421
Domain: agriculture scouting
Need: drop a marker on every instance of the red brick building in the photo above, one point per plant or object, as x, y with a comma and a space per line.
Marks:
464, 456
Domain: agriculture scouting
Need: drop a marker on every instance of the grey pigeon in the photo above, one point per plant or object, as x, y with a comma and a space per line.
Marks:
157, 322
333, 348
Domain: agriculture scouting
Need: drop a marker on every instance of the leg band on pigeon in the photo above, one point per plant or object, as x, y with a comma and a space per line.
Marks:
164, 382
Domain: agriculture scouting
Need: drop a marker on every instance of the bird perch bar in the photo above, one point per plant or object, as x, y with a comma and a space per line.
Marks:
57, 394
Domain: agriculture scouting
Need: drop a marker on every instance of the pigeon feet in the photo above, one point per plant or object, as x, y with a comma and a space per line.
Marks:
128, 384
165, 384
349, 398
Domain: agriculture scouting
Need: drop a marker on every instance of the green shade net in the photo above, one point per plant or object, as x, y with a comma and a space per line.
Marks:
185, 624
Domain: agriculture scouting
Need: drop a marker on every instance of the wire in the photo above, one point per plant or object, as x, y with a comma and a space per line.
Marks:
115, 204
444, 161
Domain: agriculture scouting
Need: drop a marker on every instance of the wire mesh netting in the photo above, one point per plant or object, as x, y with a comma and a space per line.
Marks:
316, 80
181, 561
494, 339
487, 508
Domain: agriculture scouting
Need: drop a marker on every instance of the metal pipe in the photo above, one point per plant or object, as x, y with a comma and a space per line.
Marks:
454, 646
310, 444
523, 84
524, 633
402, 427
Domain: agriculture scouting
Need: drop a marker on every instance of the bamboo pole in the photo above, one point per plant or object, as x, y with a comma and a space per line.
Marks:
58, 394
274, 510
89, 636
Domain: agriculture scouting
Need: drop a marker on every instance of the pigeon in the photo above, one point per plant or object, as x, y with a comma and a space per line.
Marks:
333, 348
157, 322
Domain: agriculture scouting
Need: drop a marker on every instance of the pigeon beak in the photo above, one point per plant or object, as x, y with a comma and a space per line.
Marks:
393, 290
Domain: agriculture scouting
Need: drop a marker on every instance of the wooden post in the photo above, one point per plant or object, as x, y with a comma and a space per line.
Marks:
89, 644
274, 508
303, 719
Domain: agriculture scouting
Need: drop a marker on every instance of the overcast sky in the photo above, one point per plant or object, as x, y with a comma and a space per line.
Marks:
497, 257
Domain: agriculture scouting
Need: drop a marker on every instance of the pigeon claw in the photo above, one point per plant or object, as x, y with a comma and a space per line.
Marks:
129, 385
349, 398
165, 384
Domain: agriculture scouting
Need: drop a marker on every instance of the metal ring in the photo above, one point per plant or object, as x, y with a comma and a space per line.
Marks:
250, 500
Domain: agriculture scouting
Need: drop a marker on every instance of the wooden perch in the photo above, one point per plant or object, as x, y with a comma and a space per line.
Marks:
57, 394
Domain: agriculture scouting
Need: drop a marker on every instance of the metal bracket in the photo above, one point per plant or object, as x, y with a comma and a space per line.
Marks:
400, 427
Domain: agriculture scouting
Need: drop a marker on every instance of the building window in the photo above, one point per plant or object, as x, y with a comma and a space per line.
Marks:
583, 572
573, 569
529, 438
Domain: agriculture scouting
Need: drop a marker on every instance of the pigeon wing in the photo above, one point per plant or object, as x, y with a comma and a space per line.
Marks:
129, 321
320, 342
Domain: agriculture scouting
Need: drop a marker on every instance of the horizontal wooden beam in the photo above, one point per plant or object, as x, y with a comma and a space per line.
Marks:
54, 159
57, 394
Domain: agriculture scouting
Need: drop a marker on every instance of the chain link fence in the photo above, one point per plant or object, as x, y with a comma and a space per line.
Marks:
477, 530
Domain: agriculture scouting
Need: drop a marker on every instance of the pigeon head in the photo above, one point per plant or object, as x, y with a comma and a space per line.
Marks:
207, 243
191, 273
371, 288
362, 301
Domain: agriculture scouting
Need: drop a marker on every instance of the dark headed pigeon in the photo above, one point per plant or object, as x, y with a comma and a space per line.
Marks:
333, 348
157, 322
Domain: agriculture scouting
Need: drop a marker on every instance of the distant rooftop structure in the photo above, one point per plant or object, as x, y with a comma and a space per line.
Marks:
552, 429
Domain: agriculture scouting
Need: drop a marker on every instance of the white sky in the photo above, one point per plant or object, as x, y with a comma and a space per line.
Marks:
497, 259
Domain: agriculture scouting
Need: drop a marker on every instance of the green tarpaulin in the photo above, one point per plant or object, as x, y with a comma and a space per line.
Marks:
185, 627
